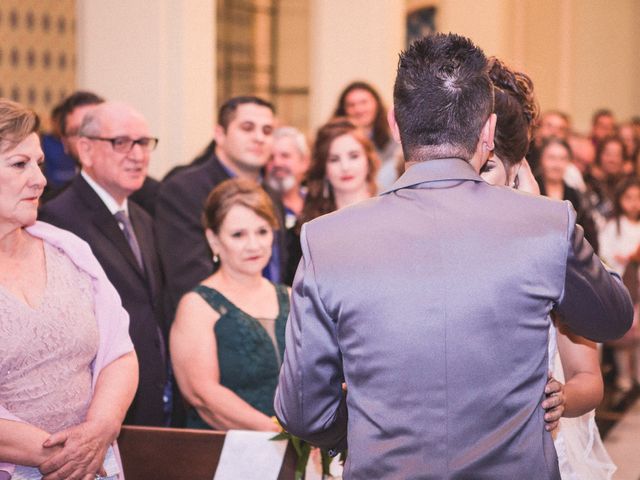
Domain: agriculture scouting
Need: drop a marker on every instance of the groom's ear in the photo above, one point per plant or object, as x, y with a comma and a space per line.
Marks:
393, 125
485, 144
489, 131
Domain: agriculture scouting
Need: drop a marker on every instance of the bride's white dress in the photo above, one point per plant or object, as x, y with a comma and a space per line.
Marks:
581, 453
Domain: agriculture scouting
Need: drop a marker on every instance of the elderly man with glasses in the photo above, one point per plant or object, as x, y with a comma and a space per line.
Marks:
114, 146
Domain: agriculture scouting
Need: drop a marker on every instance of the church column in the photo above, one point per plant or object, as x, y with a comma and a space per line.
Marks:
354, 40
158, 56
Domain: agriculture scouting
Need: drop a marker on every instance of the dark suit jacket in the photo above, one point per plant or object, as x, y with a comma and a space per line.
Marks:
146, 196
201, 158
80, 210
185, 254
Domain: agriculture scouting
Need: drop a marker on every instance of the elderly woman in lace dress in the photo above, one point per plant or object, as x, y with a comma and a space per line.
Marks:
68, 371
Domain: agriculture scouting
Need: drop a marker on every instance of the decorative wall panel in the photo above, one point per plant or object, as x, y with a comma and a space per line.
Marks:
244, 48
262, 49
37, 52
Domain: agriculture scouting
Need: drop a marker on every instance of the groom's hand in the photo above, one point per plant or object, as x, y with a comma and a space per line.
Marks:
553, 403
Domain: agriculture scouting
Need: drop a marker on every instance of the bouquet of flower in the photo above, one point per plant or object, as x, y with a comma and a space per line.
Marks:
303, 450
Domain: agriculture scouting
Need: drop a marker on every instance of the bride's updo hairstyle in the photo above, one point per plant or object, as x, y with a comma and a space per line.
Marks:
517, 111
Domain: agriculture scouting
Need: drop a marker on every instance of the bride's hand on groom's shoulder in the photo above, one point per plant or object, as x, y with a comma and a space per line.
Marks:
553, 403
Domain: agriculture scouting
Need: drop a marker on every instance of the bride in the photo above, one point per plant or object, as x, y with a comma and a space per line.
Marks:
572, 359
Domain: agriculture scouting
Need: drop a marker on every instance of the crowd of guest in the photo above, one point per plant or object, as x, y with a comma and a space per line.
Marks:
597, 172
201, 260
351, 158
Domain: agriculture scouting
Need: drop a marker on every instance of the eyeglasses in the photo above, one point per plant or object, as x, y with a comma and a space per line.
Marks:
125, 144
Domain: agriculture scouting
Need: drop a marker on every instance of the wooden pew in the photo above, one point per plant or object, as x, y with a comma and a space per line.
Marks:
174, 453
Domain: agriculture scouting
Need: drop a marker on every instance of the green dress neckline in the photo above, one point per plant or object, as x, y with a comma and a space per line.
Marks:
224, 299
249, 357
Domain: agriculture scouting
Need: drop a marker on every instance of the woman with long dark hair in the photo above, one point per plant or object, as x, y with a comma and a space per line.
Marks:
362, 105
343, 171
555, 158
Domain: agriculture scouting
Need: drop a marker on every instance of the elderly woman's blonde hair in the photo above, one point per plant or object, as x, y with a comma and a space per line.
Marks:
17, 122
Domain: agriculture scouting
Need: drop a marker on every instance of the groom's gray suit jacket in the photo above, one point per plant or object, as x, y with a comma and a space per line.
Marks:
432, 302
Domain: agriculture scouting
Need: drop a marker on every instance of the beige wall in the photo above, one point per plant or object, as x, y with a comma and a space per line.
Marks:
158, 57
484, 21
543, 52
293, 62
581, 54
352, 40
37, 53
293, 43
606, 62
491, 24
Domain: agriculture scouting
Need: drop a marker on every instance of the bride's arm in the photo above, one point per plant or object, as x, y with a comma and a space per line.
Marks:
584, 388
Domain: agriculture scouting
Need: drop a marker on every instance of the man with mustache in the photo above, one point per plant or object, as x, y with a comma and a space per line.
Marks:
286, 170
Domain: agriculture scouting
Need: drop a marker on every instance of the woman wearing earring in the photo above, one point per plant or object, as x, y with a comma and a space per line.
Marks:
344, 165
68, 367
362, 105
555, 157
343, 171
227, 339
572, 359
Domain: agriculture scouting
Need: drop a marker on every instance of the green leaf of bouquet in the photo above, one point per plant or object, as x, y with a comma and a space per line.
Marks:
303, 459
281, 436
297, 444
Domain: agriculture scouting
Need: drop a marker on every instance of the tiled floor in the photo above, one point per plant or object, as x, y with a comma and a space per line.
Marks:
623, 443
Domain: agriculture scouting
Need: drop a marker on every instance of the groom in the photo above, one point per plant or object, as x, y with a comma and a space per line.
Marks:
432, 300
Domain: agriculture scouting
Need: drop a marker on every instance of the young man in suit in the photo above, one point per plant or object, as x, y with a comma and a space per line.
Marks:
114, 146
432, 300
243, 145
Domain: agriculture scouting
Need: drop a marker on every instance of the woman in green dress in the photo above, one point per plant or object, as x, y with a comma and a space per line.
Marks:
227, 339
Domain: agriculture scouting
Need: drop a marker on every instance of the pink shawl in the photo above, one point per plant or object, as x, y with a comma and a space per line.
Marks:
113, 320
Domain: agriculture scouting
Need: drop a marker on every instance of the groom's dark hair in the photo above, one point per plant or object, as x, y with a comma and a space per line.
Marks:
442, 97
